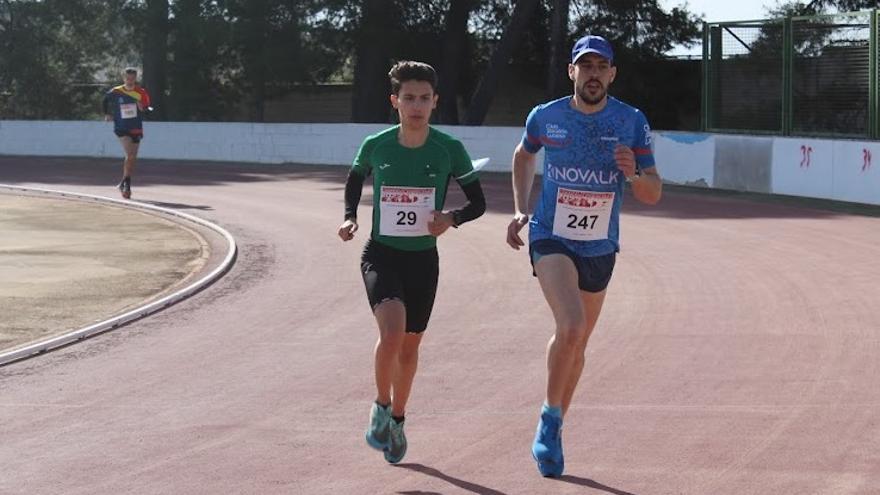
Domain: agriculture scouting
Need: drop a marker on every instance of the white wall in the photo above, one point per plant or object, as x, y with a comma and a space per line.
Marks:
842, 170
803, 167
857, 171
322, 144
685, 158
821, 168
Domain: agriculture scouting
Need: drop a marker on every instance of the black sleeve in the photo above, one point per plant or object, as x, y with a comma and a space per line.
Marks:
105, 104
475, 206
353, 188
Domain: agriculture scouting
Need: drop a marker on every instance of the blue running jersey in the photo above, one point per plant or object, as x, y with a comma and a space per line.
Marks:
123, 105
581, 179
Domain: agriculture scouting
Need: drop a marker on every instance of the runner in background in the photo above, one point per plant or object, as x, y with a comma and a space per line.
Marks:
126, 105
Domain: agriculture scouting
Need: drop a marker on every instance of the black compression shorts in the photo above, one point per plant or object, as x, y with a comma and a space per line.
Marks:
407, 276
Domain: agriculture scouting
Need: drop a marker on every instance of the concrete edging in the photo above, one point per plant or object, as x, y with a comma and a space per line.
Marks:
137, 313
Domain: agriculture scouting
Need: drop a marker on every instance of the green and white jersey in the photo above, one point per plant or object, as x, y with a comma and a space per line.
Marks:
410, 182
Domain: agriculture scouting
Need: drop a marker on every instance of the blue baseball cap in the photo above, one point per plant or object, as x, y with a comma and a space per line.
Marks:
592, 44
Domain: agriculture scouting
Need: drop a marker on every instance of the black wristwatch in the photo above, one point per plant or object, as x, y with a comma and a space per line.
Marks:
635, 175
456, 218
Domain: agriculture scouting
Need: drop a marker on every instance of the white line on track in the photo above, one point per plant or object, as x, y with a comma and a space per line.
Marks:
137, 313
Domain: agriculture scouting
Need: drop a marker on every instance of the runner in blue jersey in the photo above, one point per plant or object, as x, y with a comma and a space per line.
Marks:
126, 106
593, 145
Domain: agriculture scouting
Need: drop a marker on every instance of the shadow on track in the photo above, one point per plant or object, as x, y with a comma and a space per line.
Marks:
436, 473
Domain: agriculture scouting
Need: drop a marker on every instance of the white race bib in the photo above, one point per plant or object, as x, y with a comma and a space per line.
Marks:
582, 215
405, 211
128, 110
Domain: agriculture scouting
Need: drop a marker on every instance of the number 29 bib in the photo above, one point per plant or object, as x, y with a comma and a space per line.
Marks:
582, 215
405, 211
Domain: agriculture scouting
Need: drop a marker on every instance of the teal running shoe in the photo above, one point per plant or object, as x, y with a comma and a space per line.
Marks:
397, 447
378, 433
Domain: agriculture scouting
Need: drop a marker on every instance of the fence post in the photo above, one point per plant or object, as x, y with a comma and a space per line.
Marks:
787, 62
873, 130
704, 93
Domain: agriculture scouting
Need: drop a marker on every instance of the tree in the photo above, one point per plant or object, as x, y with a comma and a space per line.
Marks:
373, 41
380, 32
820, 6
155, 49
482, 99
454, 57
268, 38
219, 59
637, 26
641, 32
559, 58
198, 73
57, 44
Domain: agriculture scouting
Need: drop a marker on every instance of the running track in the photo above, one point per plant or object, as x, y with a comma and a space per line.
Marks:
738, 353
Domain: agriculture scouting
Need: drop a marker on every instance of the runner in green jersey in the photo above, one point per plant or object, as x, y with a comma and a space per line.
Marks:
411, 166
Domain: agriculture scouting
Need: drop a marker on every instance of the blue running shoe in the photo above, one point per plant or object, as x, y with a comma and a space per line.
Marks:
378, 433
547, 448
397, 449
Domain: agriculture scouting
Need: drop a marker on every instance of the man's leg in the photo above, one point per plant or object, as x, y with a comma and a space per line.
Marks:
559, 281
131, 150
592, 304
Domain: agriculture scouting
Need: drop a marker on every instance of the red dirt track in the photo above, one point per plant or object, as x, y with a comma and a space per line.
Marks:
738, 353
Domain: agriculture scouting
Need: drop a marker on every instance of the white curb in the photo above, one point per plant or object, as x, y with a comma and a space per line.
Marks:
137, 313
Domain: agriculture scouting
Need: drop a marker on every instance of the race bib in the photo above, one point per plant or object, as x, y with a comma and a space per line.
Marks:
405, 211
582, 215
128, 110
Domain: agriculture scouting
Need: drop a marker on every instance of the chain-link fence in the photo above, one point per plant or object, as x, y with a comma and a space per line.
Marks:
744, 79
795, 76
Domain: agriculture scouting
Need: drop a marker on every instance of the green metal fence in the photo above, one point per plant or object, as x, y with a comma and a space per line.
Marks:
808, 76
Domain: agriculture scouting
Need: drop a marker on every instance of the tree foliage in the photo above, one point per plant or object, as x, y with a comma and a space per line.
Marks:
225, 59
52, 51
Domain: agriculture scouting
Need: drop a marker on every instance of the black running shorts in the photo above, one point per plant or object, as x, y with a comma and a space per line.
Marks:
594, 272
135, 138
407, 276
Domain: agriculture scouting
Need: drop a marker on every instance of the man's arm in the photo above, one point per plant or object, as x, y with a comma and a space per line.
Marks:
524, 164
647, 187
523, 176
105, 107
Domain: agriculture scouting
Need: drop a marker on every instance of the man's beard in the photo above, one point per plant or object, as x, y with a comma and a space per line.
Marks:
585, 96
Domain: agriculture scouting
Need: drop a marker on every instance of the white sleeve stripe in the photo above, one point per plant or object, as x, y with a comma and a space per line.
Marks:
465, 175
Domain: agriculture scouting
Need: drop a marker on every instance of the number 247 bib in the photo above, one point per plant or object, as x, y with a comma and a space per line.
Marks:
405, 211
582, 215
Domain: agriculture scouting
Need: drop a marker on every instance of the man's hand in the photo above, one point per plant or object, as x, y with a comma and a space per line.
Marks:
625, 160
347, 229
516, 224
442, 220
108, 118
